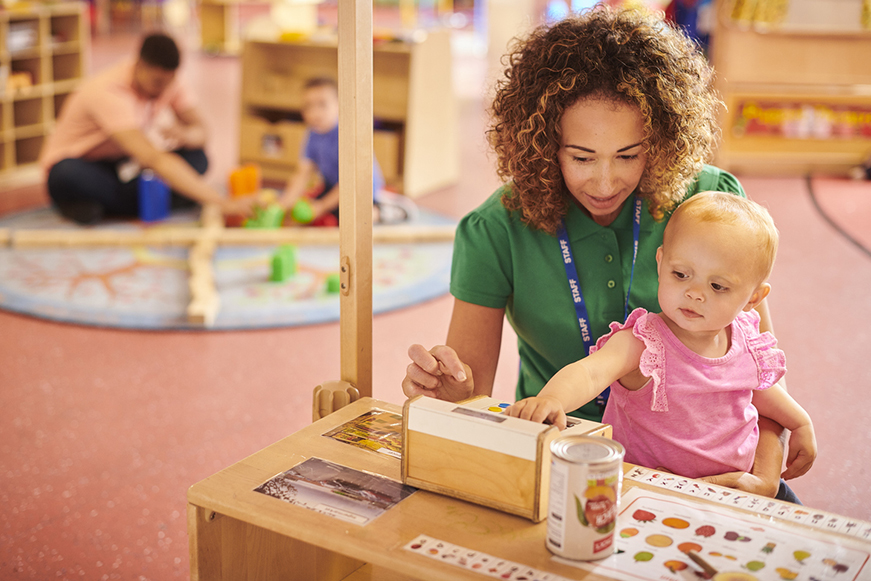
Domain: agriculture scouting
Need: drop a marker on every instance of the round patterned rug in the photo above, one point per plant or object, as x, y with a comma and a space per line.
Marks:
147, 287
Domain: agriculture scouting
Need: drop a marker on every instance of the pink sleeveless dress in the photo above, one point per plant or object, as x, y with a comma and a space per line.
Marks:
694, 417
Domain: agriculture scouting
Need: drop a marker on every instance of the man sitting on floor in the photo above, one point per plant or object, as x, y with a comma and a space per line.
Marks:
133, 116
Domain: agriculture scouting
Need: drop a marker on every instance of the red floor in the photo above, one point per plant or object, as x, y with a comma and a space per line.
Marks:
102, 431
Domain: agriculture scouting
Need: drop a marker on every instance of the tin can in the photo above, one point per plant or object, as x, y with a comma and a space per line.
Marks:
586, 473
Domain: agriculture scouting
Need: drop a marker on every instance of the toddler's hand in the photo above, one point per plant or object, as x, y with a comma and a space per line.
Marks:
802, 452
539, 409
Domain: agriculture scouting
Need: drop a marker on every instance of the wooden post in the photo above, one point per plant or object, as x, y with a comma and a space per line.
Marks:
355, 192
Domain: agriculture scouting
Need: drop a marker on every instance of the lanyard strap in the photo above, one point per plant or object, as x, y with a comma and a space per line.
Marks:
578, 295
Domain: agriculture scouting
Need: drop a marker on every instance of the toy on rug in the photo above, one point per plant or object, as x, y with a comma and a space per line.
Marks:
267, 213
283, 263
154, 197
245, 180
302, 211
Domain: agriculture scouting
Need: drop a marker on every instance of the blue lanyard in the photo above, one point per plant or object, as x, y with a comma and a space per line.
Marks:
575, 285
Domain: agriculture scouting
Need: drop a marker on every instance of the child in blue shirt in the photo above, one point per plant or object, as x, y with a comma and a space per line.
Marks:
320, 153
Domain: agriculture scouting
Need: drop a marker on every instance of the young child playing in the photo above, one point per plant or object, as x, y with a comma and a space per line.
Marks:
687, 384
320, 153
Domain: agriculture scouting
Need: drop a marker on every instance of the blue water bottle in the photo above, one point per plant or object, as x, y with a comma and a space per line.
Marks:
153, 197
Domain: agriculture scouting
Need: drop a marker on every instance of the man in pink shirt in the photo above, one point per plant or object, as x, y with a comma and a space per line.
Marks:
133, 116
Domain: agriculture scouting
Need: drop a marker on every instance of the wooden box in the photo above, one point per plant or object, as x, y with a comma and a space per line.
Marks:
466, 451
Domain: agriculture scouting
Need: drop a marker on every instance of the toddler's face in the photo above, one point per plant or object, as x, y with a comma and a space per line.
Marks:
708, 273
320, 108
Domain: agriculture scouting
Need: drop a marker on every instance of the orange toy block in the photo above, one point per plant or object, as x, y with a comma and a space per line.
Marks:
245, 180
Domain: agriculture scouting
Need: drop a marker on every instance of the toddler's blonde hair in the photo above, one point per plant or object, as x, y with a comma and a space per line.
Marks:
729, 209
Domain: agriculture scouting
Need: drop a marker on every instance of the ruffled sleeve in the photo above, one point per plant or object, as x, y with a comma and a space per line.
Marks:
652, 362
770, 361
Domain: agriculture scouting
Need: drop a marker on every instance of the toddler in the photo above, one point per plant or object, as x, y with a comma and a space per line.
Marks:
687, 384
320, 153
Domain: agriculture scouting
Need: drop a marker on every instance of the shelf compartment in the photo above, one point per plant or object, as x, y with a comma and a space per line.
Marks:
27, 149
59, 100
387, 148
22, 36
277, 143
65, 29
66, 67
27, 112
29, 68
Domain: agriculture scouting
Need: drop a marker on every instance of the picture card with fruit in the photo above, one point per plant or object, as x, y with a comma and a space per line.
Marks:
655, 535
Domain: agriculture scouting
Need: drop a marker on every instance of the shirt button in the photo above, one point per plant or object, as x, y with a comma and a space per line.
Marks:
611, 284
609, 258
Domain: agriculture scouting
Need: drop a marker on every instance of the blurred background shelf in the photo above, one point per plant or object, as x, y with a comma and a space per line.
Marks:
798, 95
43, 48
414, 105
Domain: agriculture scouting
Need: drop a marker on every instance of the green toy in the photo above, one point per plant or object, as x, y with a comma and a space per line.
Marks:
283, 263
271, 216
302, 211
334, 285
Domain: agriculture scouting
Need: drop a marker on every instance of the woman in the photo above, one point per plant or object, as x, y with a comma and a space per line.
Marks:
602, 126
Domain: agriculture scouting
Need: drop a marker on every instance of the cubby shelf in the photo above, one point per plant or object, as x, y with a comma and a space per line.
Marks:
42, 59
415, 137
797, 100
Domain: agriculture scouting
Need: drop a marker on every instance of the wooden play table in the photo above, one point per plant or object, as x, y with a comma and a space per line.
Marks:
237, 533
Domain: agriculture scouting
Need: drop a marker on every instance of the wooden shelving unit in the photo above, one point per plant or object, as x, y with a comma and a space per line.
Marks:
798, 100
45, 44
415, 137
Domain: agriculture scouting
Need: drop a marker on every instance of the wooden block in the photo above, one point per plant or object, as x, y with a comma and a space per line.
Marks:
478, 456
205, 301
79, 238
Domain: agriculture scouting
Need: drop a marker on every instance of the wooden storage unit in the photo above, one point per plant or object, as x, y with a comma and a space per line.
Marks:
415, 137
219, 28
797, 101
42, 59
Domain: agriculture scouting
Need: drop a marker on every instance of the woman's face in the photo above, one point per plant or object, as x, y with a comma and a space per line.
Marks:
601, 155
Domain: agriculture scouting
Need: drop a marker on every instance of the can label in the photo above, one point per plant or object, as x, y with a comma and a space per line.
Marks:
582, 508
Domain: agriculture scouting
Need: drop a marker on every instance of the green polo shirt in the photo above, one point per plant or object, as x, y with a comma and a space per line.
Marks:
500, 262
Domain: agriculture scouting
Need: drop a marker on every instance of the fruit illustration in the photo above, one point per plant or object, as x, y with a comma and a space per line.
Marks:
768, 548
733, 536
643, 516
659, 541
755, 565
800, 556
687, 547
838, 567
599, 512
596, 491
675, 523
706, 531
627, 533
675, 566
786, 574
643, 556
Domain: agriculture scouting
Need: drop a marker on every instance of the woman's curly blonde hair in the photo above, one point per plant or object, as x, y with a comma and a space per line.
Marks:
628, 55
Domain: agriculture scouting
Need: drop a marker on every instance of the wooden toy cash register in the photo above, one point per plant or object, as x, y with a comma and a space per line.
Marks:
471, 450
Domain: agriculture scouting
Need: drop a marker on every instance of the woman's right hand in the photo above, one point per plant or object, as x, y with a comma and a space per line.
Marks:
437, 373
